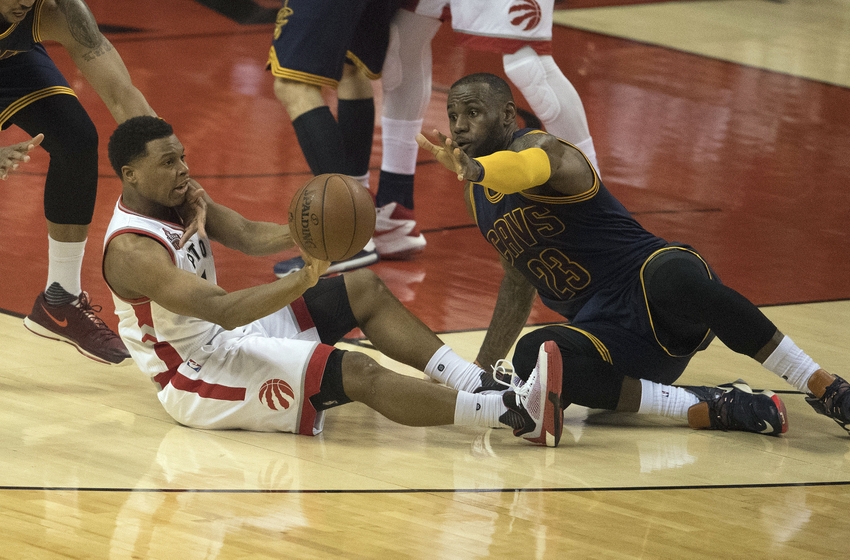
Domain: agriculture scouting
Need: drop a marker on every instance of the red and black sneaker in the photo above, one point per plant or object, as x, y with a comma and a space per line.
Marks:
80, 326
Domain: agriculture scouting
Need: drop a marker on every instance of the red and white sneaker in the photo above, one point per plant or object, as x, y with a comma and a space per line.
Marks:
396, 235
79, 326
534, 407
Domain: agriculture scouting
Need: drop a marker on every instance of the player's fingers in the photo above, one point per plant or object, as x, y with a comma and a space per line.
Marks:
35, 141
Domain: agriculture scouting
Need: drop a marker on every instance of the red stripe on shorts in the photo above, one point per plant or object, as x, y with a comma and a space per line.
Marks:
312, 385
207, 390
172, 359
302, 315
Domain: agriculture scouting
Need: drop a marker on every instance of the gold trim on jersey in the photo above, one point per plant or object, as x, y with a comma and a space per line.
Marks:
600, 346
295, 75
19, 104
36, 22
362, 66
646, 297
9, 31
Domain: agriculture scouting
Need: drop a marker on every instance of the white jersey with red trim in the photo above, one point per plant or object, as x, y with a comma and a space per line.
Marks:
255, 377
155, 336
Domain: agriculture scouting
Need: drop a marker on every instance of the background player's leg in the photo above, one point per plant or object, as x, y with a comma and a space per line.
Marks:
552, 97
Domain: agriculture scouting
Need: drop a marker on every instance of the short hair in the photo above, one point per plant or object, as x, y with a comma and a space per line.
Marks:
130, 139
498, 87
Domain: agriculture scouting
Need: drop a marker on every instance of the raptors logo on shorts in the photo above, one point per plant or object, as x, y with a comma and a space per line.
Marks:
526, 14
276, 394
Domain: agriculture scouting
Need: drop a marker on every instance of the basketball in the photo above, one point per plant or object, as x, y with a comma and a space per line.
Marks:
332, 217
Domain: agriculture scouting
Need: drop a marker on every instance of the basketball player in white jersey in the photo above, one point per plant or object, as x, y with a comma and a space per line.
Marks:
520, 30
262, 358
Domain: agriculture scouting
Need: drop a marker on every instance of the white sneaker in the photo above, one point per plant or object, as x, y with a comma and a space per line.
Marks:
534, 407
396, 235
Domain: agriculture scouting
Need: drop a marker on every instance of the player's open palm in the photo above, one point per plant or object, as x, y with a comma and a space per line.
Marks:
450, 155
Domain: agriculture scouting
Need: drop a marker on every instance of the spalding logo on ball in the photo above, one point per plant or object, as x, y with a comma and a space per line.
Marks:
332, 217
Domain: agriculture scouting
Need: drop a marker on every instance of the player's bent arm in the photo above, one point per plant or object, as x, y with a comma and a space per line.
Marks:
71, 23
137, 266
233, 230
513, 306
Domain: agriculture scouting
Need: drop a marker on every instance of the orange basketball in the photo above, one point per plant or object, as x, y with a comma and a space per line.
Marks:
332, 217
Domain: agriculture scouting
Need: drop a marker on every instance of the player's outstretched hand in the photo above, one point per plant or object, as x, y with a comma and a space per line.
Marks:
194, 212
451, 156
12, 156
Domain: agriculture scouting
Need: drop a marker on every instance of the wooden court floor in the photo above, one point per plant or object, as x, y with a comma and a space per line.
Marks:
730, 137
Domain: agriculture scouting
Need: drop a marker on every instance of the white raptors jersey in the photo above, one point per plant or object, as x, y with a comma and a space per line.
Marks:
158, 339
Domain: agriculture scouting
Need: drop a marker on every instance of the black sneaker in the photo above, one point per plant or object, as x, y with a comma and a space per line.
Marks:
734, 406
835, 402
534, 406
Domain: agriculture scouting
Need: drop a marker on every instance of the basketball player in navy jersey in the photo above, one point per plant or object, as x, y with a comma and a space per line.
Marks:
638, 307
36, 97
262, 358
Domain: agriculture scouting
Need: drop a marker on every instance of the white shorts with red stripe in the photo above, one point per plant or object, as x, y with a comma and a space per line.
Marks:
502, 26
258, 377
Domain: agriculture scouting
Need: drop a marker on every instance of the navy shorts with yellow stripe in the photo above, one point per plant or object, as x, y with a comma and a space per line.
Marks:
313, 38
25, 78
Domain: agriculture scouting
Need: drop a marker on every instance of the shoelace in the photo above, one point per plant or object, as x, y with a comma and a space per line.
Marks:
833, 400
85, 305
505, 369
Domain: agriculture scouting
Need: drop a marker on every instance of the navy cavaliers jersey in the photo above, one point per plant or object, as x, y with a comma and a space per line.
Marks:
570, 248
22, 36
27, 73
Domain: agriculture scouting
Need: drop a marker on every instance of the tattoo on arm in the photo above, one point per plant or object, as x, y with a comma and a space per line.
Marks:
83, 27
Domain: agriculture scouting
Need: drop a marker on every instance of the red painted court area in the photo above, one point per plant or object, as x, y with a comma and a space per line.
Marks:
748, 166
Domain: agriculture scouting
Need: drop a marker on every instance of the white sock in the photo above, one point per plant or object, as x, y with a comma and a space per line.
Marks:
399, 144
479, 410
665, 400
364, 179
65, 261
450, 369
790, 363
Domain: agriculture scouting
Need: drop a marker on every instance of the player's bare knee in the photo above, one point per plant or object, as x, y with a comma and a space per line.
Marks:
297, 97
360, 375
363, 285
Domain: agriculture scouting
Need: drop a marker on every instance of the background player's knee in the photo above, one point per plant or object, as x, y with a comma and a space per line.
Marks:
526, 71
70, 188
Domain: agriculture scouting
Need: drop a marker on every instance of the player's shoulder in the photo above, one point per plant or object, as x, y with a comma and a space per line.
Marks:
534, 138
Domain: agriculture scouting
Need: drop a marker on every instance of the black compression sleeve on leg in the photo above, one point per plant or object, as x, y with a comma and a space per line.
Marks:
70, 138
357, 126
680, 291
321, 141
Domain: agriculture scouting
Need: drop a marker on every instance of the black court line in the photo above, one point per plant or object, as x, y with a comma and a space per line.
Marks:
428, 490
